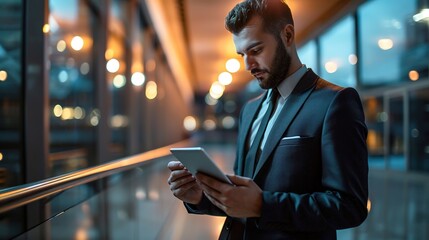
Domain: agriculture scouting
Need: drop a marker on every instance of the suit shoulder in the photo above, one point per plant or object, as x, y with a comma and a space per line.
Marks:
325, 85
328, 87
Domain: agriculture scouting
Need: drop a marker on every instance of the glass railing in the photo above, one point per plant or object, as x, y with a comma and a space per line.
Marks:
91, 203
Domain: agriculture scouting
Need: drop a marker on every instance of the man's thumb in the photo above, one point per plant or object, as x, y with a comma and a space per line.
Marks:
238, 180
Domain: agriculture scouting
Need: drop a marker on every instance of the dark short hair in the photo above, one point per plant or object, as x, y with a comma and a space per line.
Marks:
275, 15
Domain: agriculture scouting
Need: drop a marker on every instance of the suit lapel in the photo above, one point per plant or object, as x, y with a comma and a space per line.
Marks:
247, 119
293, 104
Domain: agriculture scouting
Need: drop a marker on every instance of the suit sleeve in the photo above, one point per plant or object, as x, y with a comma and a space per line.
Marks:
341, 203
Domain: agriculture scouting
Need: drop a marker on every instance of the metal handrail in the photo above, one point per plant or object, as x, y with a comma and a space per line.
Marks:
14, 197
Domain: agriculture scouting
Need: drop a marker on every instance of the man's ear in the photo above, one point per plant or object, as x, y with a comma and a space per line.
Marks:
288, 34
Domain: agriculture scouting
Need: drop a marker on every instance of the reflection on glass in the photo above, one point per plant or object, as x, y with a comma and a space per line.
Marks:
375, 120
71, 86
386, 35
337, 47
396, 152
11, 99
308, 55
419, 130
117, 75
11, 116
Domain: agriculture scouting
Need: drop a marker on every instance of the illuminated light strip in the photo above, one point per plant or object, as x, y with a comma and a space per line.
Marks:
424, 14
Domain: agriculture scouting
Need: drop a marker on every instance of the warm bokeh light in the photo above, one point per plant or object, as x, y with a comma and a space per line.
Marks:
81, 234
150, 65
119, 81
151, 90
225, 78
77, 43
414, 75
209, 125
331, 66
112, 65
138, 79
353, 59
190, 123
385, 43
61, 46
154, 195
368, 205
68, 113
422, 16
140, 194
232, 65
119, 121
58, 110
3, 75
94, 118
1, 156
210, 101
109, 54
46, 28
228, 122
79, 113
216, 90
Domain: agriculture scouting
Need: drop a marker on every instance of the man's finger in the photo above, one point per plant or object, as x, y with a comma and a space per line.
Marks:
239, 181
175, 165
178, 174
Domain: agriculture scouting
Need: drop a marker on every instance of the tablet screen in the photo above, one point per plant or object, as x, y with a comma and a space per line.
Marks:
196, 159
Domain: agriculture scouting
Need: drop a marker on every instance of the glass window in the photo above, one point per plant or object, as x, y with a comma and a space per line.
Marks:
385, 30
11, 99
337, 54
118, 77
308, 55
73, 115
375, 119
395, 138
419, 129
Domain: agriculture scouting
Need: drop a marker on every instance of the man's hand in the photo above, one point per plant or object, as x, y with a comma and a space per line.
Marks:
183, 184
242, 200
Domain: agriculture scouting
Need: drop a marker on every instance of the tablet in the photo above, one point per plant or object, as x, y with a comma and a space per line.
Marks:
196, 159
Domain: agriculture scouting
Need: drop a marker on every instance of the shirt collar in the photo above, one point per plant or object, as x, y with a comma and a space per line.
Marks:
286, 86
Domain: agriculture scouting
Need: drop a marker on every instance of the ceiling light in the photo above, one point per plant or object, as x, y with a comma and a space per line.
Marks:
385, 43
331, 67
77, 43
232, 65
225, 78
423, 15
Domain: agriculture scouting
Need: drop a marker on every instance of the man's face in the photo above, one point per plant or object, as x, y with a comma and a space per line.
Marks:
264, 54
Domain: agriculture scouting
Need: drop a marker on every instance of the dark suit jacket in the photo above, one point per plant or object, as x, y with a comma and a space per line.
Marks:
311, 185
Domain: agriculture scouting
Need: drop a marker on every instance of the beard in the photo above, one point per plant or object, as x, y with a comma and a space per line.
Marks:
279, 68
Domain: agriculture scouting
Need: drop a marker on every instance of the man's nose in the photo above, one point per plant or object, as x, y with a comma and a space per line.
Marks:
249, 62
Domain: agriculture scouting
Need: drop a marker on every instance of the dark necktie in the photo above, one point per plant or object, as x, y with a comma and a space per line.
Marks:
252, 156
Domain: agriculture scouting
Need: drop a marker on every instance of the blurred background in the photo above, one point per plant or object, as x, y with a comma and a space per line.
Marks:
85, 83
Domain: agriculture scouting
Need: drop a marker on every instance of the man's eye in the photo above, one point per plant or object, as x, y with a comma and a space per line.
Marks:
256, 51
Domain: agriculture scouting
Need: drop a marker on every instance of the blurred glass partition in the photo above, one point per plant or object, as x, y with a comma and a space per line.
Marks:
375, 120
133, 204
338, 56
308, 55
395, 134
383, 37
73, 114
11, 98
419, 129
